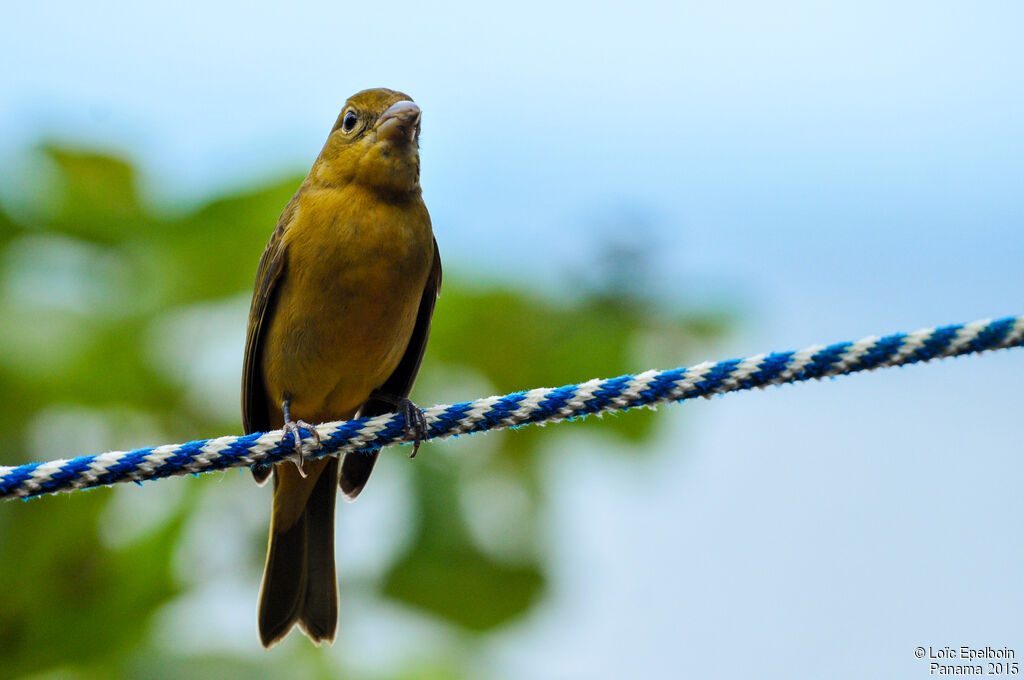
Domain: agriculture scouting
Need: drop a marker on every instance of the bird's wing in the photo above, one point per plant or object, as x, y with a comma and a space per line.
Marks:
399, 384
356, 467
255, 417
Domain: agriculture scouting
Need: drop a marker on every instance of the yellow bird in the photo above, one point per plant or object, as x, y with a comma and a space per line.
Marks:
339, 321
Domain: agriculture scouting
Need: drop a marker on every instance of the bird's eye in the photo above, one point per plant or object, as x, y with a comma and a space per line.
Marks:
349, 123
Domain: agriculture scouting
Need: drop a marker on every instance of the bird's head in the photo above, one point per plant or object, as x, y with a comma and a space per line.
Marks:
375, 142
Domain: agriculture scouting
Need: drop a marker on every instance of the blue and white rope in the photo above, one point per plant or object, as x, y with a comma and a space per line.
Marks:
519, 408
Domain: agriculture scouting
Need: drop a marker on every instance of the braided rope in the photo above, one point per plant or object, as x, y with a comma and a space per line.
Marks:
519, 408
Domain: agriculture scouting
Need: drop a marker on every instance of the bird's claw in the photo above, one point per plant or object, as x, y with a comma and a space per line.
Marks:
415, 424
415, 421
295, 427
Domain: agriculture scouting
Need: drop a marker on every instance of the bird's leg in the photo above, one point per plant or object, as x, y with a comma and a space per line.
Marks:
293, 426
415, 421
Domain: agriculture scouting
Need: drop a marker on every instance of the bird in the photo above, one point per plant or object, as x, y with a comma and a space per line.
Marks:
338, 326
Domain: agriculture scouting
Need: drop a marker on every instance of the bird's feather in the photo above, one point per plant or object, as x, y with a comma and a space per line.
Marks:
357, 466
255, 416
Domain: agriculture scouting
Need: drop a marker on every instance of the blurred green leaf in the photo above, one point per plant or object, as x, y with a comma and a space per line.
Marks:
8, 228
213, 252
98, 197
68, 598
519, 341
445, 574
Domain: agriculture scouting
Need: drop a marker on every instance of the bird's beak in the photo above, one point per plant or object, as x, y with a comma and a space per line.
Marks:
400, 124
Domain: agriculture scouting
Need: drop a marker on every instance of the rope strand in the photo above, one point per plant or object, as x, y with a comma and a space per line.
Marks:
539, 405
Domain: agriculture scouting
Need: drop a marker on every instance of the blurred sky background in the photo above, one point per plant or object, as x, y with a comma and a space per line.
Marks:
826, 171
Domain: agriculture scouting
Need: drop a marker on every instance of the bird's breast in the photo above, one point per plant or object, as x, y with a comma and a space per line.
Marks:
356, 270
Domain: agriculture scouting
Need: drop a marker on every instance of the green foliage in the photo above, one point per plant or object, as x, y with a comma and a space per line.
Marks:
443, 572
85, 285
62, 583
519, 341
97, 198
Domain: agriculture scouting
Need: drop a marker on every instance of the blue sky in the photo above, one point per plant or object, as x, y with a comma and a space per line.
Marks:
829, 171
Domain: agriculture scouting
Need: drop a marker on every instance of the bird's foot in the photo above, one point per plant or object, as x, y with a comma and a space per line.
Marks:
415, 421
295, 427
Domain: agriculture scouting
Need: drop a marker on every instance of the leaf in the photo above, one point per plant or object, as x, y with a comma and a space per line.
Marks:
97, 196
67, 598
445, 574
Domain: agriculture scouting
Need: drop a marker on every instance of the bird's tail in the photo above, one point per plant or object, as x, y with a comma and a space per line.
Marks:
299, 584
